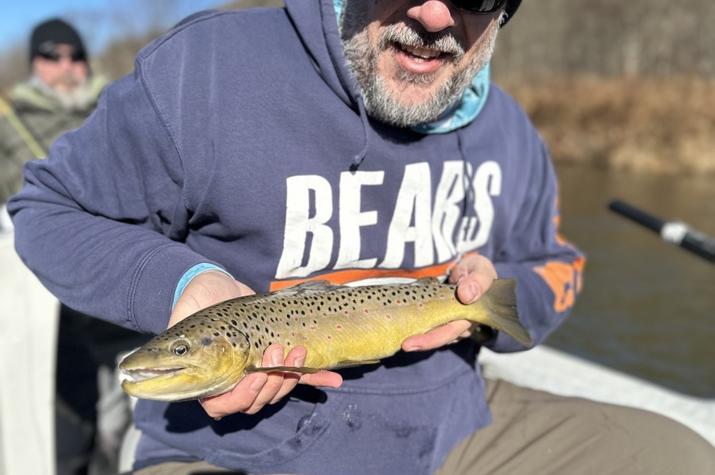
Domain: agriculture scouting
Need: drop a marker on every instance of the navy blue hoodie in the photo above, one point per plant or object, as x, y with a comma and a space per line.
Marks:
235, 142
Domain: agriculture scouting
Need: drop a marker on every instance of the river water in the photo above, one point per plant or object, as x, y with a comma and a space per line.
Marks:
647, 308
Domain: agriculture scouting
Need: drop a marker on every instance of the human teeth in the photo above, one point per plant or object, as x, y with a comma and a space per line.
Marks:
422, 52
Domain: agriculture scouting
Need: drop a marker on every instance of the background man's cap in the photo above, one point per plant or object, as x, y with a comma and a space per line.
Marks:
53, 32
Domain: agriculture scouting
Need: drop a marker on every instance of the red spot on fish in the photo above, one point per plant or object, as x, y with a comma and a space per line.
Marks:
338, 327
330, 337
388, 317
366, 311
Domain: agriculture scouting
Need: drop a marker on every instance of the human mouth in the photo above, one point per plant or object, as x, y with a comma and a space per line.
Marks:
418, 60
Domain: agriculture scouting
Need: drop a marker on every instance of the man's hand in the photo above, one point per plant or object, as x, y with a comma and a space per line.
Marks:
256, 389
473, 276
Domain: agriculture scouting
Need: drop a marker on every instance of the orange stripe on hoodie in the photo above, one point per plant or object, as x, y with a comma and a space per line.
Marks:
353, 275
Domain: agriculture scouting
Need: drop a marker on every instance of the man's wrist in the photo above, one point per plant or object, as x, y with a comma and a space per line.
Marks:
191, 274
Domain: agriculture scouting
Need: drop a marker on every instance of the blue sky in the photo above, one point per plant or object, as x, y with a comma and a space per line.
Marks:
92, 17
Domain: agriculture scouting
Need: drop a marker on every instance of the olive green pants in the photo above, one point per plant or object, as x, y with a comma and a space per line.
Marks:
535, 433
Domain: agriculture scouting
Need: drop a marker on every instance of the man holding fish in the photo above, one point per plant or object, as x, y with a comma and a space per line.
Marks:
354, 142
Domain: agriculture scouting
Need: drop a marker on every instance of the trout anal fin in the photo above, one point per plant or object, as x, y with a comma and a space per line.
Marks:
281, 369
351, 363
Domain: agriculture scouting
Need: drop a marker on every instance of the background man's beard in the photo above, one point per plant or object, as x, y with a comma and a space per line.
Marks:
79, 97
380, 102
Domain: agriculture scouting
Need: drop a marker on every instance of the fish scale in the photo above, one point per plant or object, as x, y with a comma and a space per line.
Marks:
211, 350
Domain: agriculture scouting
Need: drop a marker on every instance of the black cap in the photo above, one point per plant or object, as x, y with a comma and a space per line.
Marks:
511, 7
53, 32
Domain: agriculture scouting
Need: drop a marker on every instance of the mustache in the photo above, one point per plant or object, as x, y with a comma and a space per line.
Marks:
407, 35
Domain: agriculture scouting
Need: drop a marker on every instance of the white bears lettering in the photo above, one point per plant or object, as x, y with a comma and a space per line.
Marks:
435, 225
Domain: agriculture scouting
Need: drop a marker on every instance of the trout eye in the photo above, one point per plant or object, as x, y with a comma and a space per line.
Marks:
180, 348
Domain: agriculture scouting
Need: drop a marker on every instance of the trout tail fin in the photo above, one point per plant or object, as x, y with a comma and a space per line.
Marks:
501, 311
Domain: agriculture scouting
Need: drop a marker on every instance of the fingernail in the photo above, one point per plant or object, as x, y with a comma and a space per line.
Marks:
299, 361
276, 357
413, 348
472, 292
257, 385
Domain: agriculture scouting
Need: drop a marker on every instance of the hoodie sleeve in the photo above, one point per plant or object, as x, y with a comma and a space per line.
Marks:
548, 269
101, 221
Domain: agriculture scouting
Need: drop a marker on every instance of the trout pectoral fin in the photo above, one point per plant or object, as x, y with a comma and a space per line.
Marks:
287, 369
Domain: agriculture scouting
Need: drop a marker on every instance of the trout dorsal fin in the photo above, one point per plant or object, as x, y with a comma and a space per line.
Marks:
426, 281
309, 287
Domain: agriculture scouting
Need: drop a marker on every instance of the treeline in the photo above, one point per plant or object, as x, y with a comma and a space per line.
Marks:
609, 37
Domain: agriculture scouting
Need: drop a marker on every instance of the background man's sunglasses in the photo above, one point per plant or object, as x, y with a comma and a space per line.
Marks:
49, 51
481, 7
54, 56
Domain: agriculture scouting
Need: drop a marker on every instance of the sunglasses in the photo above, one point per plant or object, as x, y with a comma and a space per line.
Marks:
480, 7
50, 54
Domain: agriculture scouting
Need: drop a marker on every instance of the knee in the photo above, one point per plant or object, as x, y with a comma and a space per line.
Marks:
667, 446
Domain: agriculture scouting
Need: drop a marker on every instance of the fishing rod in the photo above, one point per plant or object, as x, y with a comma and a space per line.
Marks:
674, 232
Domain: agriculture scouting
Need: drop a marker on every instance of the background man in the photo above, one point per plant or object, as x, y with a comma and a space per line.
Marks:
59, 95
342, 141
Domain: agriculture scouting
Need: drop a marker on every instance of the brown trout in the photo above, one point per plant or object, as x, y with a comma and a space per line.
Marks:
210, 351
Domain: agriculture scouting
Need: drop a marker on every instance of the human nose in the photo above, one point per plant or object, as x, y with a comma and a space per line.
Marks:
433, 15
65, 62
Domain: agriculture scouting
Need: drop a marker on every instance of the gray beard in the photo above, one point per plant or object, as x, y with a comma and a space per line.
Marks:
79, 99
380, 103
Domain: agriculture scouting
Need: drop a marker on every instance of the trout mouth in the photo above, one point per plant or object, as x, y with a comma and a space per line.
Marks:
140, 375
172, 383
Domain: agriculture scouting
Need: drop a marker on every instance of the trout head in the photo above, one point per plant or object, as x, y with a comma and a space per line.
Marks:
194, 358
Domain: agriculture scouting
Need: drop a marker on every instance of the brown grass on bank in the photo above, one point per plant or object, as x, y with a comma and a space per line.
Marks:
660, 125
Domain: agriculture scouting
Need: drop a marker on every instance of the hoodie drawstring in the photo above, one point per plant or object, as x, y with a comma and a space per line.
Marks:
360, 157
467, 183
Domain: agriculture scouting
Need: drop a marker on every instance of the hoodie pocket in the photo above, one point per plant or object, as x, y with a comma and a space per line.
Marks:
290, 431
